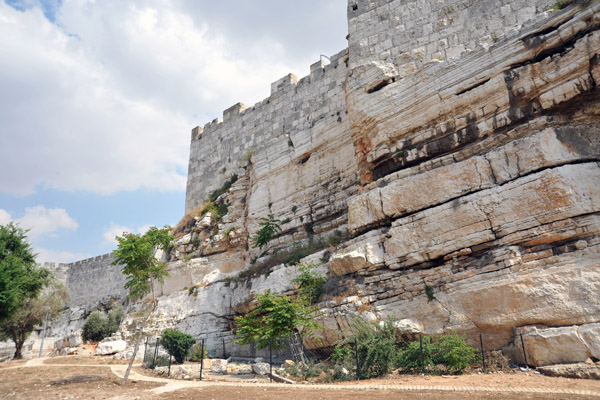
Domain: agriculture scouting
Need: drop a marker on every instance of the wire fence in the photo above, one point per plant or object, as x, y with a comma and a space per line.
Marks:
155, 355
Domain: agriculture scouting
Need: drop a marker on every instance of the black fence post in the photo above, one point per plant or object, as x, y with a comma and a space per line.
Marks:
145, 350
482, 352
155, 352
202, 360
169, 373
224, 352
356, 358
524, 354
422, 359
271, 360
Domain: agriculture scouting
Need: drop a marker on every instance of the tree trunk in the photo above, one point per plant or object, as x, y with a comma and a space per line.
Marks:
19, 340
137, 345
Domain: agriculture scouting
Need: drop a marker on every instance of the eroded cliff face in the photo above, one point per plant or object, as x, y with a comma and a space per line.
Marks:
471, 172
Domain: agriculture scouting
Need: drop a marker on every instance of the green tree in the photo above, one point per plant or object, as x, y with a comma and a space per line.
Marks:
177, 343
274, 318
269, 228
136, 253
20, 278
47, 305
309, 283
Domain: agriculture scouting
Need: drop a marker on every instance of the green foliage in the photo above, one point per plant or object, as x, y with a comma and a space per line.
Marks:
559, 5
269, 228
45, 305
450, 351
115, 316
295, 254
410, 358
196, 354
309, 283
136, 254
94, 327
429, 293
99, 325
274, 318
378, 348
21, 280
247, 156
177, 343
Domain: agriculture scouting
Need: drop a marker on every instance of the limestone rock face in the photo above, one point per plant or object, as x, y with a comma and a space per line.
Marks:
445, 173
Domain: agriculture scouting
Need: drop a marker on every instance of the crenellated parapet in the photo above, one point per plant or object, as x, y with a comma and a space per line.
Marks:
292, 107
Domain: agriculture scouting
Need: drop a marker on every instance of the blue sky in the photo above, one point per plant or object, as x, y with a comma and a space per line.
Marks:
97, 100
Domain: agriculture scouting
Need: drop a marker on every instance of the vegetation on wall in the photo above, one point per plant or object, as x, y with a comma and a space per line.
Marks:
270, 227
218, 209
294, 254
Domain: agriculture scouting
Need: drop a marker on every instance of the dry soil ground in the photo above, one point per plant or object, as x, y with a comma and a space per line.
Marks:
77, 377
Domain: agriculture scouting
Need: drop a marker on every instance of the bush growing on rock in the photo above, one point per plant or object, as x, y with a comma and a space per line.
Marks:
94, 327
177, 343
99, 325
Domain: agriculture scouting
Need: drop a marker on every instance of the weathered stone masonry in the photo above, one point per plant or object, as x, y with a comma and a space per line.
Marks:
455, 144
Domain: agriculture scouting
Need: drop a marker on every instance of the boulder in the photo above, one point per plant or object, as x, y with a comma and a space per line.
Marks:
261, 368
219, 366
107, 348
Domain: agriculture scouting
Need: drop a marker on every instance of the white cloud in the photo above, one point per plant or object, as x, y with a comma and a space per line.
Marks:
104, 99
43, 221
46, 255
5, 217
118, 230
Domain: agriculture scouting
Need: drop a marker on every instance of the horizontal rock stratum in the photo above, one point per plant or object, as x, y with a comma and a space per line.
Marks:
450, 158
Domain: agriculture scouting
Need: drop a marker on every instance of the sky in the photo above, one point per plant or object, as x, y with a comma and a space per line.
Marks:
98, 99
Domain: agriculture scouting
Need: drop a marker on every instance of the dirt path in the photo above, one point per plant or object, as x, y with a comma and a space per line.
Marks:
82, 378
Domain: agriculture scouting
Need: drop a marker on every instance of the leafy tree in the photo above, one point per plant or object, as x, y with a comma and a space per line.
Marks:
48, 304
269, 228
274, 318
309, 283
20, 278
177, 343
136, 253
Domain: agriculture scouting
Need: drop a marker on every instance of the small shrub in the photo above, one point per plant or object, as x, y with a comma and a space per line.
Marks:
177, 343
269, 228
450, 351
247, 156
115, 316
98, 325
378, 349
94, 327
559, 5
196, 354
454, 352
309, 283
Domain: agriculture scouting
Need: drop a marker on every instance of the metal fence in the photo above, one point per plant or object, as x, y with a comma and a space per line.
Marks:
155, 355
